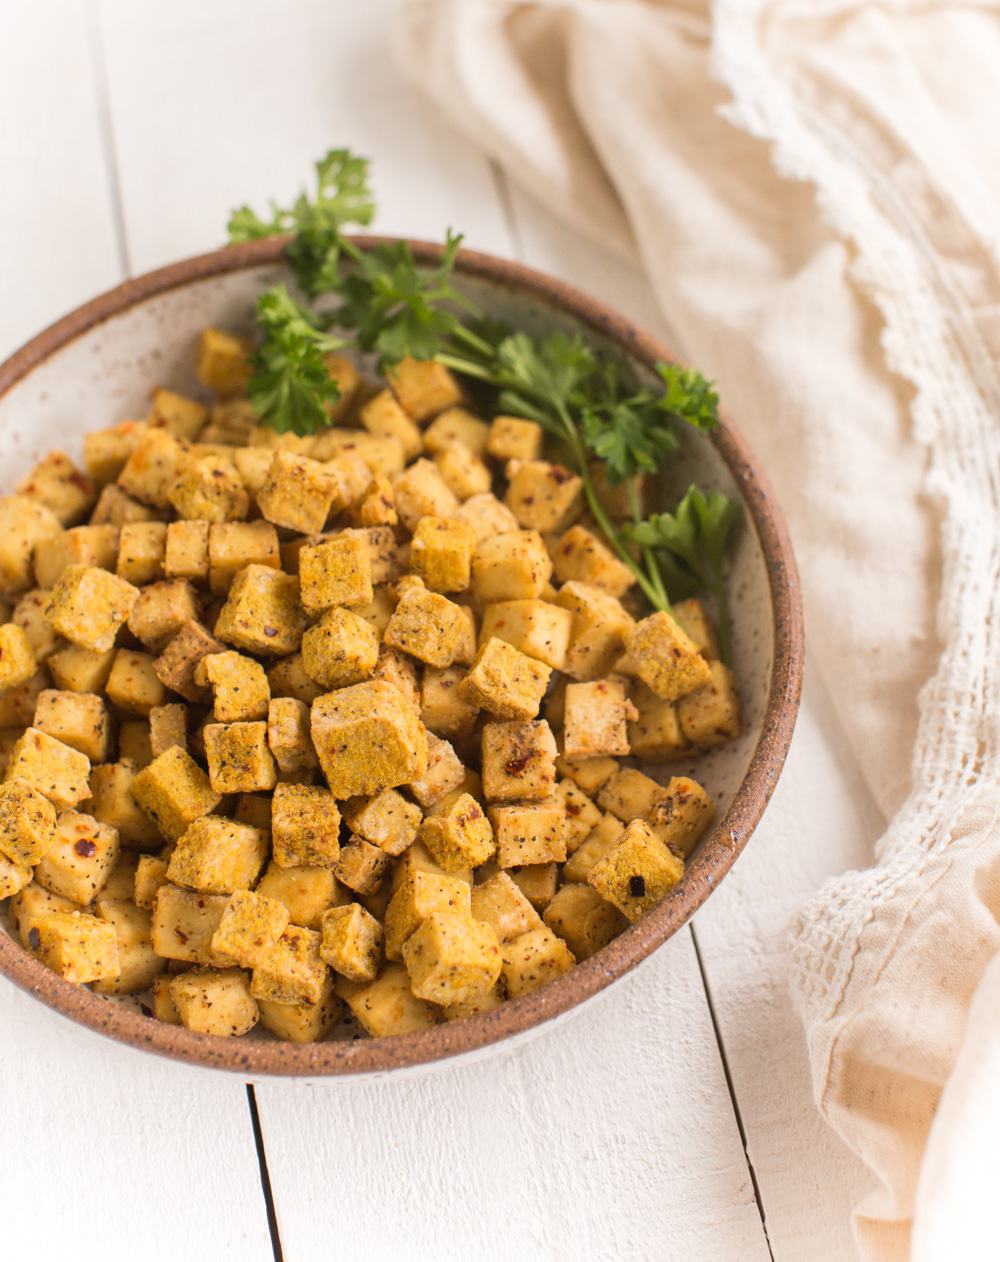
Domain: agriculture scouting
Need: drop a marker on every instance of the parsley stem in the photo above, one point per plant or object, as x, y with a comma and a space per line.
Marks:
648, 555
473, 340
719, 592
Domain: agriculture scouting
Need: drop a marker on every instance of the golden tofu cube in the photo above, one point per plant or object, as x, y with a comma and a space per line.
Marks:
536, 627
30, 617
505, 681
27, 822
711, 714
177, 664
529, 833
288, 735
150, 877
340, 649
514, 438
234, 545
133, 683
174, 792
426, 625
542, 496
679, 818
287, 678
17, 658
153, 467
292, 971
302, 1022
456, 425
487, 516
420, 491
600, 628
459, 837
655, 734
452, 958
138, 963
29, 904
582, 816
533, 960
113, 803
510, 566
183, 417
186, 550
537, 882
306, 892
519, 761
583, 920
483, 1003
13, 876
80, 859
580, 556
252, 464
218, 856
463, 473
58, 485
637, 871
629, 794
115, 508
262, 613
24, 524
215, 1001
163, 1007
17, 706
499, 903
352, 942
239, 760
361, 866
78, 947
251, 924
78, 719
135, 742
367, 739
441, 553
120, 885
590, 775
142, 551
665, 657
424, 388
223, 361
209, 489
75, 669
384, 554
336, 572
386, 819
82, 545
89, 606
305, 827
378, 506
442, 710
383, 417
387, 1006
54, 769
184, 923
443, 773
298, 493
106, 450
419, 895
167, 727
596, 719
240, 690
160, 612
396, 668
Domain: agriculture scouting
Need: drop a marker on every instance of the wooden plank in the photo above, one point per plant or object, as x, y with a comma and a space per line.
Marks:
217, 105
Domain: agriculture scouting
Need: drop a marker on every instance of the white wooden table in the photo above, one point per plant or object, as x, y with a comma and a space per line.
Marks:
673, 1120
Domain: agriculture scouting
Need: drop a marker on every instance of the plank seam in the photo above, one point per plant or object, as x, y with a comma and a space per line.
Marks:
265, 1178
106, 131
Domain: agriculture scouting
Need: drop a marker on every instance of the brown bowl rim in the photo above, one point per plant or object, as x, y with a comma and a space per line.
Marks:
713, 861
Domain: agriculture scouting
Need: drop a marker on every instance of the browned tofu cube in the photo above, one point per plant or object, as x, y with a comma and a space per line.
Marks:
292, 971
214, 1001
305, 827
262, 613
424, 388
54, 769
378, 506
533, 960
174, 792
580, 556
518, 761
529, 833
17, 658
596, 719
306, 892
637, 872
583, 920
302, 1022
223, 361
27, 822
396, 668
441, 553
82, 545
115, 508
711, 715
80, 948
240, 690
218, 856
460, 836
384, 553
336, 572
487, 516
679, 818
630, 794
426, 625
78, 719
251, 924
367, 739
177, 664
239, 760
499, 903
139, 965
600, 628
512, 566
542, 496
287, 678
655, 734
505, 681
665, 657
288, 735
361, 866
234, 545
340, 649
386, 819
209, 489
514, 438
540, 629
133, 683
420, 895
79, 861
444, 772
135, 742
89, 606
352, 942
298, 494
24, 524
186, 551
452, 958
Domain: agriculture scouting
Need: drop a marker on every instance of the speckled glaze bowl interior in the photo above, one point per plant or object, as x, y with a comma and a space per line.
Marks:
99, 364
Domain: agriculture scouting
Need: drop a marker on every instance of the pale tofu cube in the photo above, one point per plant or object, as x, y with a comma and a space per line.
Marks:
183, 417
580, 556
396, 668
133, 683
361, 866
186, 551
529, 833
711, 714
442, 710
89, 606
456, 425
138, 963
452, 959
629, 794
533, 960
680, 818
583, 920
153, 467
537, 882
215, 1001
463, 473
79, 861
184, 923
655, 734
14, 877
167, 727
505, 681
17, 657
421, 894
78, 719
420, 491
590, 775
76, 669
58, 485
518, 761
582, 816
595, 720
691, 616
386, 819
387, 1006
384, 417
544, 497
288, 735
302, 1022
600, 628
514, 438
487, 516
287, 678
142, 551
441, 553
499, 903
115, 508
112, 803
209, 489
511, 566
443, 773
306, 892
106, 450
161, 611
150, 877
78, 947
82, 545
536, 627
223, 361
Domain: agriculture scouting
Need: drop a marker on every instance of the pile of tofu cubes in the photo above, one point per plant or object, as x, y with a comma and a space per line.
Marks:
295, 726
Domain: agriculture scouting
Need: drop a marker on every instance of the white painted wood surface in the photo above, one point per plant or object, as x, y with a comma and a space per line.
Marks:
131, 128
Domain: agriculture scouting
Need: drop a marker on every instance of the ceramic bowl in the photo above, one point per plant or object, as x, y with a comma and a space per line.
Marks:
98, 365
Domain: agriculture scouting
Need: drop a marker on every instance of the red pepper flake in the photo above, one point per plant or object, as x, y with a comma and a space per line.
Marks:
514, 766
559, 475
180, 935
637, 886
86, 848
78, 480
34, 939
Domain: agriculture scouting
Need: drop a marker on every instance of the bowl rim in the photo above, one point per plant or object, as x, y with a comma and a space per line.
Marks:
517, 1017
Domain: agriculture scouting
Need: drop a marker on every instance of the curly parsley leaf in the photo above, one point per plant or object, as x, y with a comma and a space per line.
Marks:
290, 386
688, 396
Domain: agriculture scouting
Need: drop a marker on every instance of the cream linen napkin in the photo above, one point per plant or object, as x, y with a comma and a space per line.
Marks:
808, 186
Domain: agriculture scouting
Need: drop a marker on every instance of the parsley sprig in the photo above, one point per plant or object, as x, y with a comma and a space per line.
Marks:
391, 307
